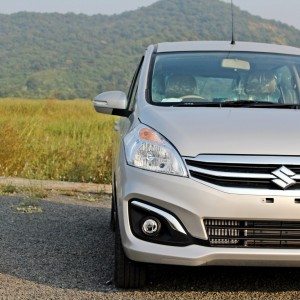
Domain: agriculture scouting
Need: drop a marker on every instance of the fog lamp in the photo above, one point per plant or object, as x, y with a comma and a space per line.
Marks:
151, 226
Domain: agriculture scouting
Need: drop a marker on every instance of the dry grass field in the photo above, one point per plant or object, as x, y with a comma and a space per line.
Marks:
52, 139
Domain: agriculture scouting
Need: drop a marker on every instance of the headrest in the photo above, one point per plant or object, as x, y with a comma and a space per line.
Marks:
180, 85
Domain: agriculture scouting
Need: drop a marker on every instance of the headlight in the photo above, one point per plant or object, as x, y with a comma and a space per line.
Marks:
147, 149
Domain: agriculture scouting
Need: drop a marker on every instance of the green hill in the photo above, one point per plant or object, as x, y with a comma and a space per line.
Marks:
67, 55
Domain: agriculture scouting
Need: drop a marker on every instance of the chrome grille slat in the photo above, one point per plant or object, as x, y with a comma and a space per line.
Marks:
233, 174
249, 159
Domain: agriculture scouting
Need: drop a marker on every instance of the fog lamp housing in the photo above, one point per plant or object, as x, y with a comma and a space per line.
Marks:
156, 225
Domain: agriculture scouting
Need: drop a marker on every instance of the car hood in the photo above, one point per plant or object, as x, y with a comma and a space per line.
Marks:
211, 130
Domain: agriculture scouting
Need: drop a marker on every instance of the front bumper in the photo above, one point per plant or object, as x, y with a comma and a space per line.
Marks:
192, 202
195, 255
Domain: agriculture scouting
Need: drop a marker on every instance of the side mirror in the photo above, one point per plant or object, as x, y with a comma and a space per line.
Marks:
111, 103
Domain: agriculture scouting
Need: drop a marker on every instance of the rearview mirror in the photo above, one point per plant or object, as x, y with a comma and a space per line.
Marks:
236, 64
111, 103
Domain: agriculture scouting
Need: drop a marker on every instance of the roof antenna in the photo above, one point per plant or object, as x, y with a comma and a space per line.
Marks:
232, 24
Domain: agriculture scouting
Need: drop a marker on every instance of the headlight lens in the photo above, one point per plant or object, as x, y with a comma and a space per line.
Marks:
147, 149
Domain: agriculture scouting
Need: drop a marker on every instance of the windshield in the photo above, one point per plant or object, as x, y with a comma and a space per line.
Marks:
222, 77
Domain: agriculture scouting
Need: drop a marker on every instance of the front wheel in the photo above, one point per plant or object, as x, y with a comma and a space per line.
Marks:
128, 274
113, 214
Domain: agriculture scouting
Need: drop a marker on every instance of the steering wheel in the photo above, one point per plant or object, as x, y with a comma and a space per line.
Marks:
192, 97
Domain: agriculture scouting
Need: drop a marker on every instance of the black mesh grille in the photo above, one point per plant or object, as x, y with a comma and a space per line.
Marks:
253, 234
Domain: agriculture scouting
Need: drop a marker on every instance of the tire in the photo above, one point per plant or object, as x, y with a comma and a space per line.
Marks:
128, 274
113, 214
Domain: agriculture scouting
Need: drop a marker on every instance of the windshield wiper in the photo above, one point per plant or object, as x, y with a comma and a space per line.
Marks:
236, 103
246, 103
256, 103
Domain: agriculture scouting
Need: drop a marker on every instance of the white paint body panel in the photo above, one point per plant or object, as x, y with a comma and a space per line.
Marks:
226, 46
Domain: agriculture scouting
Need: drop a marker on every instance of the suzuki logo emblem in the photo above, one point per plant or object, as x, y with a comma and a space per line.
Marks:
284, 177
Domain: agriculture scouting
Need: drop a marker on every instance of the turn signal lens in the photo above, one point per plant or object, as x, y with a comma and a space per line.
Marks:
150, 135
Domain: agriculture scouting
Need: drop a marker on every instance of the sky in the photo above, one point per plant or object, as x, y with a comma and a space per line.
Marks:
287, 11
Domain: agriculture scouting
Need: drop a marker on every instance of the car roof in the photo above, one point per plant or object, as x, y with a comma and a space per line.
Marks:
226, 46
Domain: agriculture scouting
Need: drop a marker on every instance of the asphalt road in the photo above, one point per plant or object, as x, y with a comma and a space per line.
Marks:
66, 252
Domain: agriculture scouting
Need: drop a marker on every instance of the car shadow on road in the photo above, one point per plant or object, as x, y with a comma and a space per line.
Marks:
224, 279
71, 246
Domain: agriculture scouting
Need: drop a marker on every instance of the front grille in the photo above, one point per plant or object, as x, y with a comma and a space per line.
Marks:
253, 234
245, 174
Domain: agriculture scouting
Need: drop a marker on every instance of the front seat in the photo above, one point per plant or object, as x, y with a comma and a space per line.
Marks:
178, 86
263, 86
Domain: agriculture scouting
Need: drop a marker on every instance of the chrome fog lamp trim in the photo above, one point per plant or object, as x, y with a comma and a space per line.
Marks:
170, 219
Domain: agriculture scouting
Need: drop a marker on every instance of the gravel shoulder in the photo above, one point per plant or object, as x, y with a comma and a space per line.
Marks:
65, 251
53, 185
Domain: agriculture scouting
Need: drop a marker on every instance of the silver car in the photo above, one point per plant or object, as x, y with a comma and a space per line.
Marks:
206, 168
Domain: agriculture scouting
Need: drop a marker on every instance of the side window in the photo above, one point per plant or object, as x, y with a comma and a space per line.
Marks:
134, 86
